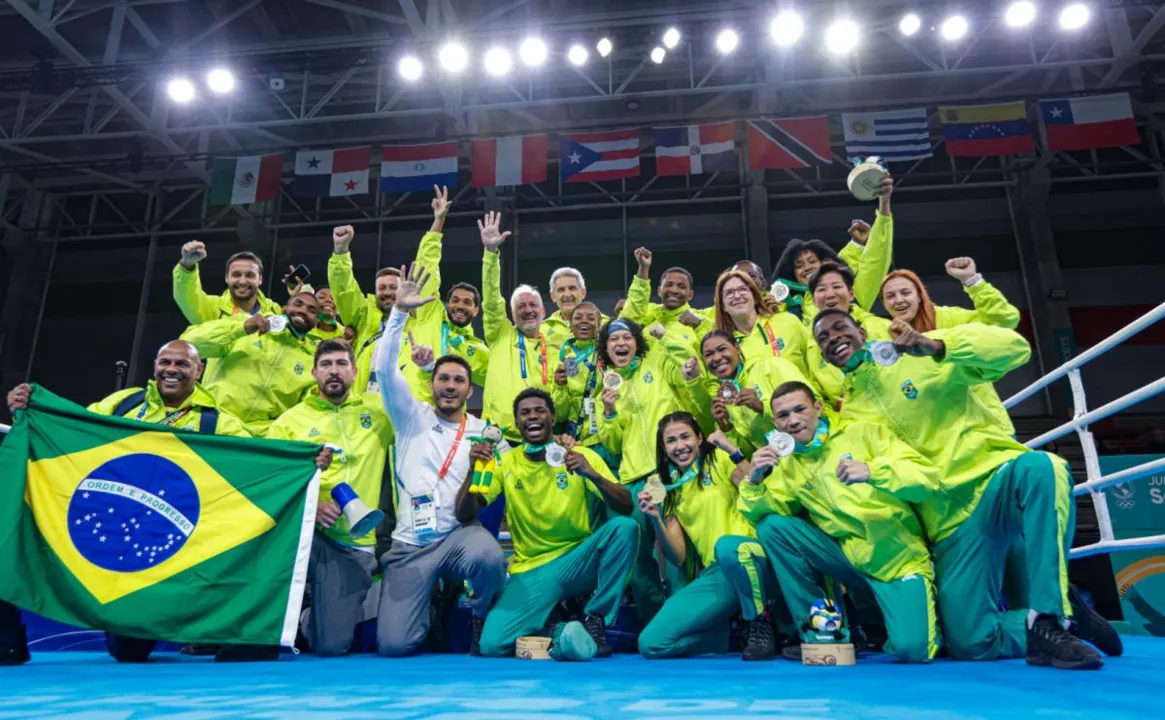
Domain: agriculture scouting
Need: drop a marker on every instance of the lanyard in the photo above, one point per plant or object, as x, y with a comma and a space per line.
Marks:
447, 341
522, 356
583, 357
374, 338
452, 450
770, 338
169, 420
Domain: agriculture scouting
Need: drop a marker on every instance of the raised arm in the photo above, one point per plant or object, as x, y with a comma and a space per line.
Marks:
639, 294
429, 252
398, 401
195, 304
494, 319
345, 290
991, 307
874, 263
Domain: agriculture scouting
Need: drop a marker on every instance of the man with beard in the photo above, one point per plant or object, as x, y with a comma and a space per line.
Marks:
558, 553
174, 399
366, 314
994, 490
432, 460
340, 570
519, 354
674, 311
568, 288
259, 378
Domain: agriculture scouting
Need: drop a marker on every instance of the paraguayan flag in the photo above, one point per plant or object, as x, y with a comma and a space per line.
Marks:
893, 135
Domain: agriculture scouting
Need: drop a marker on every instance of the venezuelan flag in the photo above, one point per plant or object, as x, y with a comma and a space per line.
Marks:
981, 130
154, 532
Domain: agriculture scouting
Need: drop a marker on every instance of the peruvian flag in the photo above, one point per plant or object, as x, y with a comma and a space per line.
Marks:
519, 160
1087, 123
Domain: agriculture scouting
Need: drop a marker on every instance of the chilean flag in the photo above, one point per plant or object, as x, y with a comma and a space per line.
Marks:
417, 168
1087, 123
695, 149
599, 156
508, 161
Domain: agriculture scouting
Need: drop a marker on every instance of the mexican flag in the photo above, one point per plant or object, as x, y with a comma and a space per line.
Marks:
154, 532
243, 180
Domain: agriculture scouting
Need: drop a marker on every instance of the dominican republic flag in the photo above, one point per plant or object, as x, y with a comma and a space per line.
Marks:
244, 180
599, 156
789, 143
519, 160
893, 135
695, 149
1086, 123
408, 168
331, 173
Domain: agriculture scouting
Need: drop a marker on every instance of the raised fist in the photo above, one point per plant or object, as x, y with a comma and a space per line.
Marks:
193, 253
342, 238
961, 269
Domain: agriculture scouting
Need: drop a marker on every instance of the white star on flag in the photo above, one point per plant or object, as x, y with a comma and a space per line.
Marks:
102, 538
575, 158
1057, 112
85, 495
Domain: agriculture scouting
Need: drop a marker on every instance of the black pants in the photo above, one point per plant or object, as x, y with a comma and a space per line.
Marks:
9, 624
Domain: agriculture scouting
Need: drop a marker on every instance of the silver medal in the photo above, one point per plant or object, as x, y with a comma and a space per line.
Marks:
728, 391
779, 291
782, 442
612, 381
571, 366
884, 352
276, 323
555, 456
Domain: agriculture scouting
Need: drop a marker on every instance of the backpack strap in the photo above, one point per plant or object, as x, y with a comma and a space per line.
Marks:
207, 420
129, 402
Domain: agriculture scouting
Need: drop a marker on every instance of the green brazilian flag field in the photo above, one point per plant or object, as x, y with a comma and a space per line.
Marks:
145, 531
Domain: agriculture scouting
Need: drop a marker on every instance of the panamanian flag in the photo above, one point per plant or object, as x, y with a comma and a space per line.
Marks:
331, 173
695, 149
417, 168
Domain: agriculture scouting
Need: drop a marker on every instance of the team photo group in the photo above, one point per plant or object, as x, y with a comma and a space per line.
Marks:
785, 474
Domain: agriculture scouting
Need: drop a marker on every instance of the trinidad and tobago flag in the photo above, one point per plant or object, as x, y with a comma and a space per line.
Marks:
789, 143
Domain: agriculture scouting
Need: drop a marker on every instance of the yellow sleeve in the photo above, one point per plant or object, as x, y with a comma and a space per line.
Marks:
494, 319
231, 426
991, 307
983, 353
215, 338
429, 257
768, 498
278, 430
875, 262
611, 429
897, 468
478, 360
638, 303
196, 305
109, 404
346, 291
851, 254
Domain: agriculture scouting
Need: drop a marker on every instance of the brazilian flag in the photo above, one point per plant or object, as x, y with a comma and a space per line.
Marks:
151, 532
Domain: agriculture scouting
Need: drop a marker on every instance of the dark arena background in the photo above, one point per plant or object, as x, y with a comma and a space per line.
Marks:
113, 113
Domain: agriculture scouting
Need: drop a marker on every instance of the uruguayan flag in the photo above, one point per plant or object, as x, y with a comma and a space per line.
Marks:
893, 135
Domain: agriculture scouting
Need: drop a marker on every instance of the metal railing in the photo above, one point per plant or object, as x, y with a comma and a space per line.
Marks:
1082, 418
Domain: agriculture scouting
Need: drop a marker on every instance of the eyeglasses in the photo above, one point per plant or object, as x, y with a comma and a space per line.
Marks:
737, 292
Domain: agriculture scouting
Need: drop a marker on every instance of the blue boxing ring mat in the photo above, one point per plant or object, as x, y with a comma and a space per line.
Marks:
91, 686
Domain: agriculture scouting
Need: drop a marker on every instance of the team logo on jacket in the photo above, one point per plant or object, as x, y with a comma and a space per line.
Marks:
469, 351
259, 344
647, 378
560, 480
909, 390
781, 344
299, 368
366, 420
760, 394
314, 433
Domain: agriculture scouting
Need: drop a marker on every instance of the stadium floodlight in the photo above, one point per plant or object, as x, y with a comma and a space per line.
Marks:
658, 54
842, 36
727, 41
497, 61
1020, 14
577, 55
453, 57
533, 51
220, 81
181, 90
671, 38
604, 47
1074, 16
954, 28
410, 68
787, 28
909, 24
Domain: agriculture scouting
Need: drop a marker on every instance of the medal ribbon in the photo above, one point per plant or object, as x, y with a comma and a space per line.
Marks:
678, 480
447, 341
818, 437
169, 420
857, 359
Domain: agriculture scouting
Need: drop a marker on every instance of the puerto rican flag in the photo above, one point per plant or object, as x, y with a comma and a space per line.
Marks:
331, 173
1087, 123
417, 168
695, 149
599, 156
508, 161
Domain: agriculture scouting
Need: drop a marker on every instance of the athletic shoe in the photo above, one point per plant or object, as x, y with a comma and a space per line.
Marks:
16, 652
759, 643
1048, 643
247, 653
200, 649
571, 641
597, 629
475, 626
792, 650
1089, 626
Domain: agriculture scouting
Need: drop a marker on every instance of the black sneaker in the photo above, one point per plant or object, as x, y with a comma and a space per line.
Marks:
247, 653
15, 653
597, 629
1089, 626
200, 649
759, 643
791, 650
1048, 643
475, 626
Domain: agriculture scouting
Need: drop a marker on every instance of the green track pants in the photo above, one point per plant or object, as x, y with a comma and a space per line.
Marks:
694, 621
1030, 496
647, 587
800, 553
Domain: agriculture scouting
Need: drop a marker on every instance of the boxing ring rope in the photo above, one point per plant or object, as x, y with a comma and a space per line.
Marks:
1082, 418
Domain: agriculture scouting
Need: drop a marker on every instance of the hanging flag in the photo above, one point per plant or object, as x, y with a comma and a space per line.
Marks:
980, 130
244, 180
154, 532
1088, 123
331, 173
409, 168
893, 135
599, 156
695, 149
517, 160
789, 143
